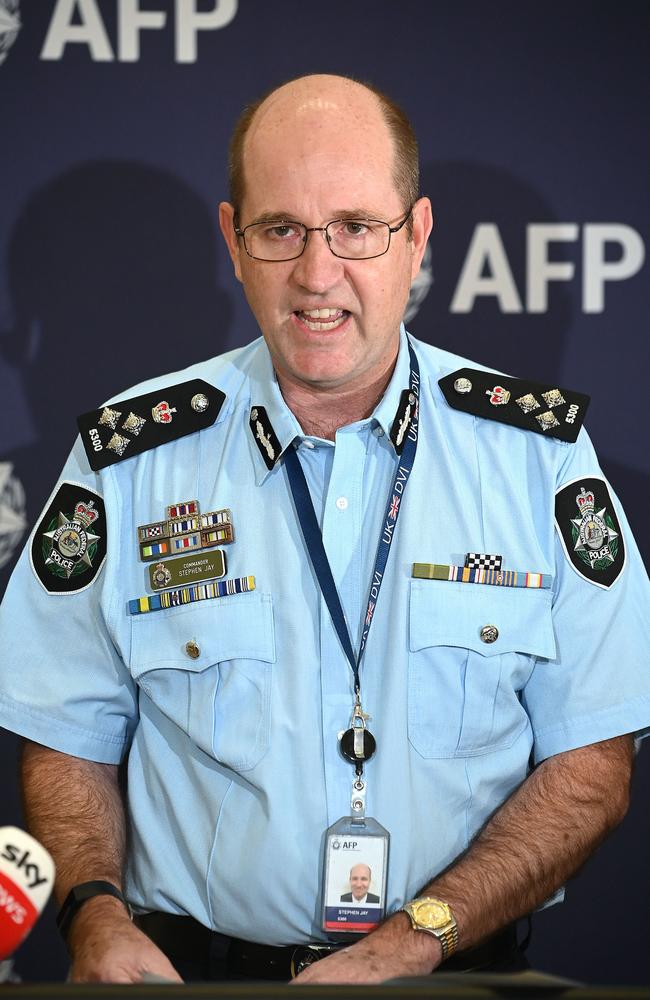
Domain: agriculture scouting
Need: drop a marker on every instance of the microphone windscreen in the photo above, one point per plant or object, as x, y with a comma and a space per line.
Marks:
26, 881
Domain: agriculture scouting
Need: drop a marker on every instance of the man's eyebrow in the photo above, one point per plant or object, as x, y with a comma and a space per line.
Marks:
356, 213
274, 217
342, 213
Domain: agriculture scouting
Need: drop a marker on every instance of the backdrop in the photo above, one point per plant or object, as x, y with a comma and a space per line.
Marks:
533, 126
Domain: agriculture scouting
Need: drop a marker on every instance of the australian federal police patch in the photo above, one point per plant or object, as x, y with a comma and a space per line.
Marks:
69, 544
590, 531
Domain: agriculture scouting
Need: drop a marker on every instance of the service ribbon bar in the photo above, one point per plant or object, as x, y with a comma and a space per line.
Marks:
494, 577
188, 595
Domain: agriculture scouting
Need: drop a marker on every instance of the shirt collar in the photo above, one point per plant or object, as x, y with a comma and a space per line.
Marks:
386, 409
274, 428
268, 400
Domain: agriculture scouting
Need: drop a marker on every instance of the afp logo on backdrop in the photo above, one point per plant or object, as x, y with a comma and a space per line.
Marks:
609, 252
80, 22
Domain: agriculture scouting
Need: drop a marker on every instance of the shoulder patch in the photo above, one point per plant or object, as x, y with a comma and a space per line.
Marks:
69, 544
531, 406
590, 531
132, 426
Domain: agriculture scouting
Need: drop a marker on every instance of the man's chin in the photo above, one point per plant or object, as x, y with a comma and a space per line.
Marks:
321, 377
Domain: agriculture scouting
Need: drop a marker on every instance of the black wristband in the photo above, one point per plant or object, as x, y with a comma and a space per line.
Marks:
79, 894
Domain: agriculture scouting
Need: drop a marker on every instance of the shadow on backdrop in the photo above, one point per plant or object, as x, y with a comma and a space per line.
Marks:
112, 272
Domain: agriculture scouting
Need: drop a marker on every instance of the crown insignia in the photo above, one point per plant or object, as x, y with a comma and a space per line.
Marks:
585, 501
85, 514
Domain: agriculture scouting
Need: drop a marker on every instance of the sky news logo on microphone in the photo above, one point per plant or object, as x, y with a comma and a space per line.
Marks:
26, 880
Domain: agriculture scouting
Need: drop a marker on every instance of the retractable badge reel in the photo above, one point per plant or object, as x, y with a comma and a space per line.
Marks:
356, 848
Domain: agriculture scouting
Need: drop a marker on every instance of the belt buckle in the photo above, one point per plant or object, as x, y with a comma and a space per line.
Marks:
305, 955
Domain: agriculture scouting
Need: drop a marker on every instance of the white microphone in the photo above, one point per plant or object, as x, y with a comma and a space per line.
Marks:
26, 881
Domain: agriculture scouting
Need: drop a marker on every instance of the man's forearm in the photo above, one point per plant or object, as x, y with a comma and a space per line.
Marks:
538, 838
531, 845
74, 808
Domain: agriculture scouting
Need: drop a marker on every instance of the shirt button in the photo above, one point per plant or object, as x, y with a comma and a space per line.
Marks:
342, 503
192, 649
489, 633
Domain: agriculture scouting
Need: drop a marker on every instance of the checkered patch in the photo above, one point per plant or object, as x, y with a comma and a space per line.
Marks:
481, 560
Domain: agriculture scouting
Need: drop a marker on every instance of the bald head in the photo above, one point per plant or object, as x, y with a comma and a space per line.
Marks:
360, 876
323, 108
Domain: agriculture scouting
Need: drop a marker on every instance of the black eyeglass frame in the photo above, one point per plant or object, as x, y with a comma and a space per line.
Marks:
319, 229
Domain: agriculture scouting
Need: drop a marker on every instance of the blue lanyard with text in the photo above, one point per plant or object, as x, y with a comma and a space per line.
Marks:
314, 539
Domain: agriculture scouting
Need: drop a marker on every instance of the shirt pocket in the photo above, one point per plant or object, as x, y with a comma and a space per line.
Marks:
463, 693
208, 668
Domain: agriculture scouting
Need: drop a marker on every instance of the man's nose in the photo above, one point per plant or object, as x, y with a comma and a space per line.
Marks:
317, 268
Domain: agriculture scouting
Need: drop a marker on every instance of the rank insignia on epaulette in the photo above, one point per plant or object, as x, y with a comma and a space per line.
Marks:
531, 406
132, 426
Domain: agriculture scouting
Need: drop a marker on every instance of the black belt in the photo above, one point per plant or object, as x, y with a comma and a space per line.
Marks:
185, 939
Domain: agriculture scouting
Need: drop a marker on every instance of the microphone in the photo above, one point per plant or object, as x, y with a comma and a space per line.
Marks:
26, 881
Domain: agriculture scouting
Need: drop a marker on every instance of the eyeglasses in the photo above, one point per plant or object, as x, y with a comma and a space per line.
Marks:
351, 239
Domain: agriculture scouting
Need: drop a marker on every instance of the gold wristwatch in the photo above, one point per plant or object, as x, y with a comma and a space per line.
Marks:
435, 917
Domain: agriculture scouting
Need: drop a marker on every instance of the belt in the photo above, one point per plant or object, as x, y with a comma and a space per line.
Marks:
184, 938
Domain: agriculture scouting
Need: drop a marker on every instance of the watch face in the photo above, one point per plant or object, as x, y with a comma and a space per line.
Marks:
432, 913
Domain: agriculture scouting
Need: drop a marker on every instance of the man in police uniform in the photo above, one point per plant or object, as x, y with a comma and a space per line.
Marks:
512, 591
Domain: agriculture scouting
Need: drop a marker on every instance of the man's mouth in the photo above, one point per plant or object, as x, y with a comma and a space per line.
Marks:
322, 320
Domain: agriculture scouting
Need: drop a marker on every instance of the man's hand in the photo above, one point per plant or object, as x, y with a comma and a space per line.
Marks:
106, 947
393, 950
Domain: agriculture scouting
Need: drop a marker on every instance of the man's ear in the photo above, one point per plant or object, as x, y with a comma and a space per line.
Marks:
422, 226
227, 224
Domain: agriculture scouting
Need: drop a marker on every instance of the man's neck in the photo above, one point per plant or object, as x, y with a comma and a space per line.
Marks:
320, 412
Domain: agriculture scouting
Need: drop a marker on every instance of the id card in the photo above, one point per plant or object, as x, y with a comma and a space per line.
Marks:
354, 876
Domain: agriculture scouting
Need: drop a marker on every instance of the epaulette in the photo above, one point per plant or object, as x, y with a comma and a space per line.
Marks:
531, 406
132, 426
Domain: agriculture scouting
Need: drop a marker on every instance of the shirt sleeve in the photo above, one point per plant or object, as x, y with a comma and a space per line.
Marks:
62, 681
598, 685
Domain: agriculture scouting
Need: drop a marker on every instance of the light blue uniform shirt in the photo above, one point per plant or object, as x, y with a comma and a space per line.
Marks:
234, 769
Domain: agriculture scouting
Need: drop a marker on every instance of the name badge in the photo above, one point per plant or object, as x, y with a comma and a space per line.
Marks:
354, 876
188, 569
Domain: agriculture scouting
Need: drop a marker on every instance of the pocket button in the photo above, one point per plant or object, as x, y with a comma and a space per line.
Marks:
192, 649
489, 633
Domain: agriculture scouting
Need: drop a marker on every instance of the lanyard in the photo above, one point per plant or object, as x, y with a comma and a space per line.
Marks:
314, 539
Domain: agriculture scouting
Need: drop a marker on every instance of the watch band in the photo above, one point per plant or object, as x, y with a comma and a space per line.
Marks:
447, 933
448, 940
79, 894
